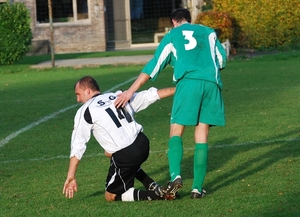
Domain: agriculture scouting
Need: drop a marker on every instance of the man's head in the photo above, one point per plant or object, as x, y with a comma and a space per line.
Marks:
86, 88
179, 16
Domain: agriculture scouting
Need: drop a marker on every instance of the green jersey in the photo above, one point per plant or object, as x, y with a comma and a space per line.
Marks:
193, 50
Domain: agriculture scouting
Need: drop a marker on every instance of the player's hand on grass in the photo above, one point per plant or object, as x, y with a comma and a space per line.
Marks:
69, 187
123, 98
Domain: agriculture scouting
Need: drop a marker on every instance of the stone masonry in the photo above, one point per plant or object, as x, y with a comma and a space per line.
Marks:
70, 37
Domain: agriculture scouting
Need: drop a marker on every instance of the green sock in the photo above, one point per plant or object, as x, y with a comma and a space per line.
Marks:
175, 154
200, 163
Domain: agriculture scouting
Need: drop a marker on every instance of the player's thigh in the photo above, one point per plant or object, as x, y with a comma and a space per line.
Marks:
187, 102
212, 107
120, 177
125, 164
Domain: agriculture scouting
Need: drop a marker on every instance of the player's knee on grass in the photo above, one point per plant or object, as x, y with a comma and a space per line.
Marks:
109, 196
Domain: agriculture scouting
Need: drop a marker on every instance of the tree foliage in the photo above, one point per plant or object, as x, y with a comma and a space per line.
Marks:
219, 21
15, 32
263, 23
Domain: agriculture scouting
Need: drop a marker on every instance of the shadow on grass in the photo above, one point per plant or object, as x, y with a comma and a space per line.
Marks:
251, 166
96, 194
279, 148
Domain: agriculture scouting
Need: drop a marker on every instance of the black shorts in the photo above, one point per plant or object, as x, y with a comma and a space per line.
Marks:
125, 163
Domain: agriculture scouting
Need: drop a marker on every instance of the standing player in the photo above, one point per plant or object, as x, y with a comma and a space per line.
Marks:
197, 57
119, 135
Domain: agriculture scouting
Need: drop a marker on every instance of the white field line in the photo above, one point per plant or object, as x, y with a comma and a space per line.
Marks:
53, 115
157, 151
28, 127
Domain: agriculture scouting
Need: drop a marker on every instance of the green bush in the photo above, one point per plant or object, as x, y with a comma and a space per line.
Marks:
263, 24
15, 32
219, 21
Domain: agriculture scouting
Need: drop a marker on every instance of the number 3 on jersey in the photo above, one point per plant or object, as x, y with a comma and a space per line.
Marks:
188, 35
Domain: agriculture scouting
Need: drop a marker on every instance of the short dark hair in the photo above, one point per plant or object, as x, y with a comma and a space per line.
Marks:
181, 14
88, 82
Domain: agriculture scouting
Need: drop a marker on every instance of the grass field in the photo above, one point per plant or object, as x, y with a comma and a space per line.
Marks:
253, 165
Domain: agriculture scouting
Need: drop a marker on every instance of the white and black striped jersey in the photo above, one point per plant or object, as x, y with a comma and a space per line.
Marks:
113, 128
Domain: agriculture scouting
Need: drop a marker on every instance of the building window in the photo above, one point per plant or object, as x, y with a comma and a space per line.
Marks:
62, 11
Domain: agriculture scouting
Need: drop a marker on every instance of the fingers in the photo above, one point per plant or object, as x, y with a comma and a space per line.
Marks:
107, 154
69, 189
117, 102
120, 102
69, 192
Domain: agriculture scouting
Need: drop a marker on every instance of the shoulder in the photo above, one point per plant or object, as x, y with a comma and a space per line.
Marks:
107, 96
203, 27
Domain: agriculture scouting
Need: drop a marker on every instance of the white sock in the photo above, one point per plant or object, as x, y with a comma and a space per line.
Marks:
178, 176
128, 195
196, 191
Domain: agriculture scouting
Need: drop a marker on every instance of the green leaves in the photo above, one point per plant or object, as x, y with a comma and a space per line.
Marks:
15, 32
263, 24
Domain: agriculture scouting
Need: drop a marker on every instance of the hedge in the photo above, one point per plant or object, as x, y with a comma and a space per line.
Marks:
15, 32
263, 23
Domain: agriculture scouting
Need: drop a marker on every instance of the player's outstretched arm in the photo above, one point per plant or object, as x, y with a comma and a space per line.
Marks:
125, 96
166, 92
141, 100
70, 185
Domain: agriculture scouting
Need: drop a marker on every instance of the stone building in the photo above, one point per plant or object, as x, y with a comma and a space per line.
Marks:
99, 25
76, 28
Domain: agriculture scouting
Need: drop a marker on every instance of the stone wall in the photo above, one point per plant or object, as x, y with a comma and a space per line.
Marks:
87, 36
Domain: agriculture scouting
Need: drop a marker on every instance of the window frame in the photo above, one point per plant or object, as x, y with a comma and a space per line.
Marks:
75, 21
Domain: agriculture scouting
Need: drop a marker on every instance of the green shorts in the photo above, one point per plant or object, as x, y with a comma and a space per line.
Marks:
197, 101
